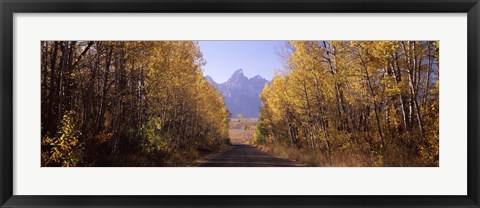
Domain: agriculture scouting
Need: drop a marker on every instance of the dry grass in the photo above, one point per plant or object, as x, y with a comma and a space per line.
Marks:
318, 159
236, 132
240, 136
236, 123
180, 157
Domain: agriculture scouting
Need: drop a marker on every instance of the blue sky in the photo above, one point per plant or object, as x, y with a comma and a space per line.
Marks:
253, 57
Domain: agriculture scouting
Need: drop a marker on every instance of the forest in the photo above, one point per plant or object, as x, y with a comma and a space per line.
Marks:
127, 103
354, 103
149, 103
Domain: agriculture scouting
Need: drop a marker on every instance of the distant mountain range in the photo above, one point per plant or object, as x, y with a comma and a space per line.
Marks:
241, 93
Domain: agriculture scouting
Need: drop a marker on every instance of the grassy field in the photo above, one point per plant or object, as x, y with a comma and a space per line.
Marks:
241, 130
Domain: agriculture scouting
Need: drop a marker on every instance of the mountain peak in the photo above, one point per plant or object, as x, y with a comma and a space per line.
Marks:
258, 77
237, 77
238, 71
242, 94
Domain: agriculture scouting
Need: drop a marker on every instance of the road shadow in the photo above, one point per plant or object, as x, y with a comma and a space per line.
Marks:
244, 155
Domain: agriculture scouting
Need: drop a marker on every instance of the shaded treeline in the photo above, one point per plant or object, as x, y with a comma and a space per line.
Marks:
127, 103
355, 103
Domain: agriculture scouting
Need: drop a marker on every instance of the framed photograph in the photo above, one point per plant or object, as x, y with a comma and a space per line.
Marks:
266, 103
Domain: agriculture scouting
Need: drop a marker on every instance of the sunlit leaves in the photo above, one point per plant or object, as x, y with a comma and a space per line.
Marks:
137, 103
356, 99
66, 149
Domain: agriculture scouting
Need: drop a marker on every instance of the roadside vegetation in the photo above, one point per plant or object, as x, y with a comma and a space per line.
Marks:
354, 103
128, 103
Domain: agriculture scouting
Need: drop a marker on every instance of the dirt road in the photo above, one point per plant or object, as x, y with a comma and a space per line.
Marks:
244, 155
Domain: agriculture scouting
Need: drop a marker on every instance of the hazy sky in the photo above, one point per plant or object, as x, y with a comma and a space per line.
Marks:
253, 57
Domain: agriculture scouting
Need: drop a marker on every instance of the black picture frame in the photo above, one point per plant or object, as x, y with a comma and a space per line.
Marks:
9, 7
